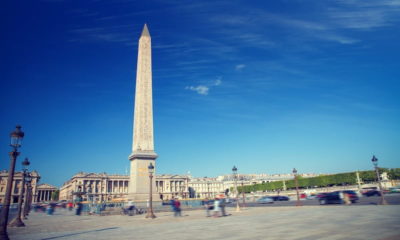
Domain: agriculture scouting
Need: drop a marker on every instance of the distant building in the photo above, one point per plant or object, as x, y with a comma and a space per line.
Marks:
102, 186
105, 187
16, 186
44, 193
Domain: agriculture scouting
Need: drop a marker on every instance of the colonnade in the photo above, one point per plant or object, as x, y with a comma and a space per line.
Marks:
44, 195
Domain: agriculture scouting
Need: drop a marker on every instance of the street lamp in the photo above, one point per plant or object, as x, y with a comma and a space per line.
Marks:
28, 194
297, 187
17, 221
208, 188
375, 162
16, 138
234, 171
150, 213
243, 194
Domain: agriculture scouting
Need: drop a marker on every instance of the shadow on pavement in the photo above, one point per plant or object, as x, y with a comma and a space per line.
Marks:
72, 234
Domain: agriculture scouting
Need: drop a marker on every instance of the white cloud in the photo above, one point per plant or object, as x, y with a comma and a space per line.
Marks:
240, 67
204, 89
201, 89
218, 81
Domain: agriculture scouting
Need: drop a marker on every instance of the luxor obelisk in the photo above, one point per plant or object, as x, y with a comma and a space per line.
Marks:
143, 140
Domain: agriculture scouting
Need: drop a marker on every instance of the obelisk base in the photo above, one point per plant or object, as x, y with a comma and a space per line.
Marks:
139, 180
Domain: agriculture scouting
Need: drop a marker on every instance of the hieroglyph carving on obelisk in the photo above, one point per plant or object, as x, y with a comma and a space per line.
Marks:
143, 139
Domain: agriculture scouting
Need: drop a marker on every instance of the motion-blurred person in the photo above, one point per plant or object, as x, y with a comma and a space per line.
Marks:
222, 204
207, 205
216, 207
346, 199
70, 205
177, 208
78, 208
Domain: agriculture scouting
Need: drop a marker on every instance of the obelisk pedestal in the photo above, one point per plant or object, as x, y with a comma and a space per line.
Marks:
143, 138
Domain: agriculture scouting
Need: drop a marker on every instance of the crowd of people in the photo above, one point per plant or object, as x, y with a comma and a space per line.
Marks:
215, 206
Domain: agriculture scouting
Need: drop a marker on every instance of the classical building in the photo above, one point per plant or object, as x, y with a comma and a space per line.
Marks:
207, 187
101, 186
16, 186
44, 193
169, 186
104, 187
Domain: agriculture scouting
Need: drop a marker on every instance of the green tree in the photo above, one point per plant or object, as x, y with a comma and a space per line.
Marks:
55, 195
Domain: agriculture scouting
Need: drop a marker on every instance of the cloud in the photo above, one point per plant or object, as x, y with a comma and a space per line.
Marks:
204, 89
365, 15
217, 81
240, 67
201, 89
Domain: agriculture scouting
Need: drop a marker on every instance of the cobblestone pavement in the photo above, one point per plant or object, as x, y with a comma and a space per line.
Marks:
307, 222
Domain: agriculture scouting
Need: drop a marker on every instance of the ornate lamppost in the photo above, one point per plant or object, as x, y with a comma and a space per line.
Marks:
243, 194
234, 171
208, 189
297, 186
28, 195
150, 213
17, 221
375, 162
16, 138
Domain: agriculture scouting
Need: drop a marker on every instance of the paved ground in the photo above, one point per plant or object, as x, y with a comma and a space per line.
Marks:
307, 222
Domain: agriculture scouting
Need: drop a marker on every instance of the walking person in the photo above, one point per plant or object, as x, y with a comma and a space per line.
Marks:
216, 207
78, 208
177, 209
172, 203
208, 206
346, 199
222, 203
70, 205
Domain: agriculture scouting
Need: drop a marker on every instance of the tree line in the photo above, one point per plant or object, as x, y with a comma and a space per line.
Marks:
339, 179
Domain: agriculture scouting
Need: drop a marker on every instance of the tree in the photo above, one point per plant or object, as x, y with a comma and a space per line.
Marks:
55, 195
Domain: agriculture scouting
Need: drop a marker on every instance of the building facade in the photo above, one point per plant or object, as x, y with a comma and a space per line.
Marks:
44, 193
103, 187
100, 186
17, 185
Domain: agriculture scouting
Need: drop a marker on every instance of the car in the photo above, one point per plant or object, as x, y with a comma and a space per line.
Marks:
280, 198
320, 195
394, 189
265, 200
338, 197
371, 193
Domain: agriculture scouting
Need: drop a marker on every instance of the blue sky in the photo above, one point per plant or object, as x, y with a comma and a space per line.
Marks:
263, 85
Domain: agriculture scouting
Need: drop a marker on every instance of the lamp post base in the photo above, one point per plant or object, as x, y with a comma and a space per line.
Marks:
16, 222
4, 235
150, 215
237, 208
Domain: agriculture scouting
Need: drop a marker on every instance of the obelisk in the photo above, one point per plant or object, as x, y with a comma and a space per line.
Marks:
143, 139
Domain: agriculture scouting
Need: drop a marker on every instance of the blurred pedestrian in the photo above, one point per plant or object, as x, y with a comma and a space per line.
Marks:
70, 206
208, 206
346, 199
216, 207
78, 208
131, 208
222, 203
177, 208
172, 203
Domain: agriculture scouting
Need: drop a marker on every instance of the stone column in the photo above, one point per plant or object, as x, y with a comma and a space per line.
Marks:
143, 137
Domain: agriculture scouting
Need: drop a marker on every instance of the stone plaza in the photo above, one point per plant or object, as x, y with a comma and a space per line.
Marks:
307, 222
